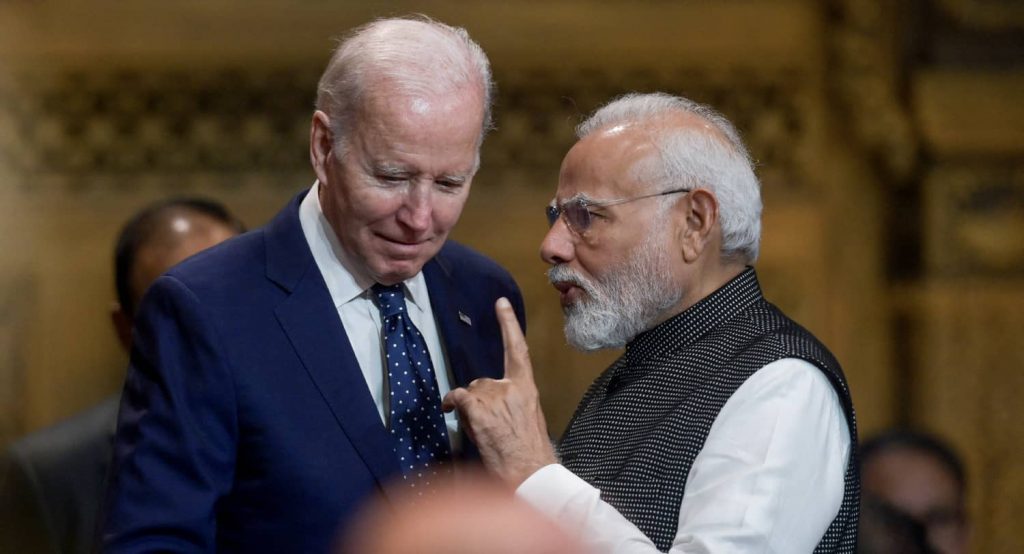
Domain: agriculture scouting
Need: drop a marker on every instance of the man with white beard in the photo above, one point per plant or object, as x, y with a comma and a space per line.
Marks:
724, 426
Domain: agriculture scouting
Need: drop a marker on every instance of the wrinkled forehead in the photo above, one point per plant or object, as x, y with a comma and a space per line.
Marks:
625, 159
436, 118
389, 97
608, 163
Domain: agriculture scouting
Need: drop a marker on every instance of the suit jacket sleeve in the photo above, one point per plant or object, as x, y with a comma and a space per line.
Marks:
174, 455
516, 298
24, 526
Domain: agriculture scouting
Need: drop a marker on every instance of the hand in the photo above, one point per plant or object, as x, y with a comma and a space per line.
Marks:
503, 417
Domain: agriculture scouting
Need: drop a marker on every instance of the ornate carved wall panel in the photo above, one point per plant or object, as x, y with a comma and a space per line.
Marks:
107, 129
82, 130
864, 81
16, 297
967, 386
964, 307
975, 221
987, 14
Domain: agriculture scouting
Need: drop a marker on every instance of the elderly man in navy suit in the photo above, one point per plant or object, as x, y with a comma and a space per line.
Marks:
280, 380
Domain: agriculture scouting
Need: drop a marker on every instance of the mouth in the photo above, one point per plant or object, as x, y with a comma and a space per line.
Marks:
401, 247
568, 293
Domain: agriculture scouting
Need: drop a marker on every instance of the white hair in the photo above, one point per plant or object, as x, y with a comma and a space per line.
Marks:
694, 158
415, 54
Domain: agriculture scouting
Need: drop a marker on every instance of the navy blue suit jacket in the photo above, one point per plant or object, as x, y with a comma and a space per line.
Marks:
246, 424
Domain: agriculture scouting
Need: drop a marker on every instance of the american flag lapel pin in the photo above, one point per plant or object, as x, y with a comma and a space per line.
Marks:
465, 319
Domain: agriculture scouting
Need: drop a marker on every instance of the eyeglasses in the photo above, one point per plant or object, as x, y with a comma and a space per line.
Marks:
577, 213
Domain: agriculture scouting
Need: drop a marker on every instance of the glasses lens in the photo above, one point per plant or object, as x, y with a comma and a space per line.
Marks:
576, 213
552, 215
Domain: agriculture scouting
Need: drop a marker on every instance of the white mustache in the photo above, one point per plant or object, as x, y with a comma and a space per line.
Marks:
564, 274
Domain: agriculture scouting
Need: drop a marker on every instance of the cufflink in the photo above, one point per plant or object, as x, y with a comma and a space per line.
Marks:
465, 319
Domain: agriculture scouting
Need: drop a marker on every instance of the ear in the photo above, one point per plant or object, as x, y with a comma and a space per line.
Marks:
321, 145
698, 223
122, 326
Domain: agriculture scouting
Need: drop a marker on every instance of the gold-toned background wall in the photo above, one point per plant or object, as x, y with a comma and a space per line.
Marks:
889, 135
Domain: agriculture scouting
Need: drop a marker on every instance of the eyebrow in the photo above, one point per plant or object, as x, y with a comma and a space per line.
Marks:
578, 196
390, 170
393, 170
456, 179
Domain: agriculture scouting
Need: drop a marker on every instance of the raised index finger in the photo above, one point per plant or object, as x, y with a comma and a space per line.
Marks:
517, 353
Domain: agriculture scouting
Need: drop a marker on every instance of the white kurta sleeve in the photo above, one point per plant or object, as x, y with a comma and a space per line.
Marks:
769, 478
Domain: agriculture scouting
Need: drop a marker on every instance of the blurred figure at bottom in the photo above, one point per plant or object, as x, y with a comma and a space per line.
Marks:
468, 515
51, 481
915, 478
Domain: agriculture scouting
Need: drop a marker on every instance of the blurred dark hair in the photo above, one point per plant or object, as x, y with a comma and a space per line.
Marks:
146, 225
918, 441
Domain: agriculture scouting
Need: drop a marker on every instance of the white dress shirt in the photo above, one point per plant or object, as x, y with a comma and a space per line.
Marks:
349, 287
769, 478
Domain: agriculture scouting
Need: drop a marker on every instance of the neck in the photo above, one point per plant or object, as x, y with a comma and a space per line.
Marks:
702, 282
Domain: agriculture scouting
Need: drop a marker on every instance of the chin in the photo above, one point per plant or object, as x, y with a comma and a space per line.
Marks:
394, 272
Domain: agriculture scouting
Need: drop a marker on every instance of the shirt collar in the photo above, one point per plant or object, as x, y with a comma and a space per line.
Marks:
345, 280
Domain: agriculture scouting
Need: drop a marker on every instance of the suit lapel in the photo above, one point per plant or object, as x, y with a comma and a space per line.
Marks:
455, 316
311, 322
454, 320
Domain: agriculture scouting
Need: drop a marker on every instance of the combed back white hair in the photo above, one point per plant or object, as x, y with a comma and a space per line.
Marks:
417, 55
694, 158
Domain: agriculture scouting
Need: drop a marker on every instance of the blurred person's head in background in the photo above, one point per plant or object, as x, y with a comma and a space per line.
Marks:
920, 476
467, 515
155, 239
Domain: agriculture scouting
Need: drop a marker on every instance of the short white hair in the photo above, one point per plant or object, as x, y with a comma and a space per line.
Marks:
694, 158
415, 54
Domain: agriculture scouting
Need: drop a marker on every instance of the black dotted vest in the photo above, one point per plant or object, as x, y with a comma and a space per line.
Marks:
639, 427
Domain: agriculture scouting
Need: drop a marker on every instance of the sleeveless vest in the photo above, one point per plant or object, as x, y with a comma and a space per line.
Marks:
639, 427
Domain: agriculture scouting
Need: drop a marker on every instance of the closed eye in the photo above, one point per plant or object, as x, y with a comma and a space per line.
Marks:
595, 210
451, 184
392, 178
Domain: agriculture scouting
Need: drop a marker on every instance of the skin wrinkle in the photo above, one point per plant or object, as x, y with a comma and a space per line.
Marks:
617, 305
393, 221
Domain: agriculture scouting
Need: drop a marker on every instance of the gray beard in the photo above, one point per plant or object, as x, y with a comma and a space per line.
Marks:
621, 304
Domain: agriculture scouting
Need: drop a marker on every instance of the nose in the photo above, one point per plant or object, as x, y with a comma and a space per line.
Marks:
558, 246
417, 209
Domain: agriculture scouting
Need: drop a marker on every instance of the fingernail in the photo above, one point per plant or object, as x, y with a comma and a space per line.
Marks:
504, 303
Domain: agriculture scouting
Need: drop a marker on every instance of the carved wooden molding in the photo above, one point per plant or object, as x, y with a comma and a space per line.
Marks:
235, 126
863, 81
986, 14
974, 221
16, 299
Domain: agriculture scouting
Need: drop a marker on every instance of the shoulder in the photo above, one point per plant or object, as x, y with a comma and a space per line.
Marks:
464, 258
235, 256
790, 378
463, 263
231, 274
475, 277
787, 400
785, 335
68, 442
